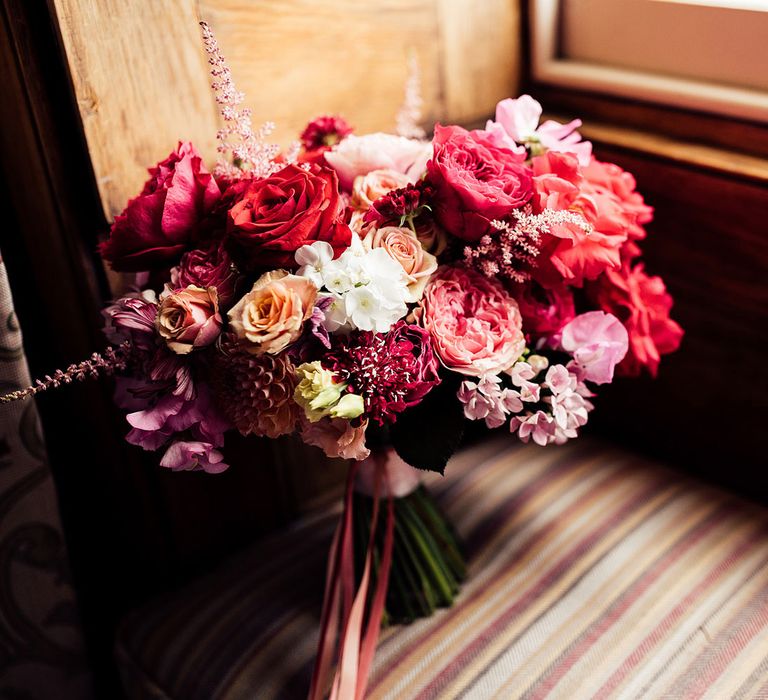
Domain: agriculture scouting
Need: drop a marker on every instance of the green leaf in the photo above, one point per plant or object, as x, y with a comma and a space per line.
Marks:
426, 435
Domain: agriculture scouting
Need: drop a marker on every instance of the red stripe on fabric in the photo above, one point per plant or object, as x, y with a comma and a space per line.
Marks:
545, 582
642, 650
735, 643
547, 681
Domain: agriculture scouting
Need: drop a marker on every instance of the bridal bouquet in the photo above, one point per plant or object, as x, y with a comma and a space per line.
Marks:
370, 293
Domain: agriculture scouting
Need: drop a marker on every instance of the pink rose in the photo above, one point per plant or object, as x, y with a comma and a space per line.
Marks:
366, 189
157, 226
474, 181
644, 304
598, 342
193, 456
359, 155
271, 316
403, 246
580, 249
209, 267
189, 318
474, 323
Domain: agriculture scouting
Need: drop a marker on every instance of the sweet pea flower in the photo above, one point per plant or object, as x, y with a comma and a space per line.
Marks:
517, 124
193, 456
598, 342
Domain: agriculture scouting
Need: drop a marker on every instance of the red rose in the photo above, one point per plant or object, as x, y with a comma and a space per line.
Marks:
475, 181
279, 214
642, 304
156, 227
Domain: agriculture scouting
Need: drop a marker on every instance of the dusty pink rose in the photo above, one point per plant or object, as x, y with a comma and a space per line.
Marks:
474, 323
359, 155
403, 246
337, 438
366, 189
189, 318
271, 316
598, 342
193, 456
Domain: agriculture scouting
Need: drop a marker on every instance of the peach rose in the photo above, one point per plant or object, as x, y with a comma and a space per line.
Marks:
402, 245
366, 189
271, 316
189, 318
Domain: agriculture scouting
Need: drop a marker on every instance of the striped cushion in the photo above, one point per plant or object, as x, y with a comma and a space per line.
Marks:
592, 574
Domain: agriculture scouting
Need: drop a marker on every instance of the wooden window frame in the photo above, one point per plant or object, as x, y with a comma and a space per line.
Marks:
733, 144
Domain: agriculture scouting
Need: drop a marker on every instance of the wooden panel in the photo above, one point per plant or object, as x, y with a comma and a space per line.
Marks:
480, 43
141, 81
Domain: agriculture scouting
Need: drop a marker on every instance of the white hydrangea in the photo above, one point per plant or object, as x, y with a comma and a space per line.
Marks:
367, 288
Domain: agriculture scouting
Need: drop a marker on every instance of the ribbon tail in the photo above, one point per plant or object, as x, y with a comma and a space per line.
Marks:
371, 638
339, 583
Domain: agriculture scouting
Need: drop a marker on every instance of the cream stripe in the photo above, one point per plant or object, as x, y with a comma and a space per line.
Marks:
653, 605
499, 583
513, 586
524, 661
658, 649
741, 666
700, 642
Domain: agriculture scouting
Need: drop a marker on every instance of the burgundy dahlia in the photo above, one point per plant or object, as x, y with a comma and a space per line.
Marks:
391, 371
396, 206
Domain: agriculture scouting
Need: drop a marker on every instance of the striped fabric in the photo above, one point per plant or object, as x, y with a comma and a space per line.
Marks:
593, 574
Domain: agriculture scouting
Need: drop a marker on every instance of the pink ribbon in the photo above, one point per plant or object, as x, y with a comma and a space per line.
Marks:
344, 609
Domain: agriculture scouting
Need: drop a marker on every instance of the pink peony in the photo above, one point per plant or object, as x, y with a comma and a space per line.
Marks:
474, 181
189, 318
517, 122
474, 323
158, 225
337, 438
598, 342
643, 304
574, 252
193, 456
359, 155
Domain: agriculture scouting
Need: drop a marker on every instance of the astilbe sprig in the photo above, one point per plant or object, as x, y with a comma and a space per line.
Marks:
111, 360
250, 152
409, 115
511, 250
